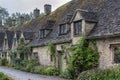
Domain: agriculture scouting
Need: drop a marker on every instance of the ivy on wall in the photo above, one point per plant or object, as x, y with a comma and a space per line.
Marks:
84, 57
52, 51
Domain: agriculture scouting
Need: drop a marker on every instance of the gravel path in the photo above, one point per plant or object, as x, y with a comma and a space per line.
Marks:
20, 75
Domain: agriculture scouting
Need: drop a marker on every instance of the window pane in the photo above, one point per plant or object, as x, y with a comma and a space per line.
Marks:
42, 33
63, 29
77, 27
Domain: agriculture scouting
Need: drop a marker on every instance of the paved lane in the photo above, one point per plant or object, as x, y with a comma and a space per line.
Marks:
20, 75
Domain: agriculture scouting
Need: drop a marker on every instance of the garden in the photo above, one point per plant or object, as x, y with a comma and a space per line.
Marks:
4, 77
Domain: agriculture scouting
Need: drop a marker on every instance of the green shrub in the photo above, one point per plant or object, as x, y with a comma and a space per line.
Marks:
4, 77
109, 74
29, 67
84, 57
52, 71
66, 74
39, 70
3, 62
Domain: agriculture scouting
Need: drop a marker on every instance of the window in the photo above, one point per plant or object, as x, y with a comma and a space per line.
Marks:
116, 55
62, 29
42, 33
77, 27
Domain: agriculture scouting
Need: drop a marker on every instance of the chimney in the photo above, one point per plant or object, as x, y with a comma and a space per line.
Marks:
36, 13
21, 19
13, 22
47, 9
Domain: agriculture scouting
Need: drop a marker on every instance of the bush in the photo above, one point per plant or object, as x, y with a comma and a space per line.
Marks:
83, 57
29, 67
4, 77
109, 74
66, 74
39, 70
52, 71
3, 62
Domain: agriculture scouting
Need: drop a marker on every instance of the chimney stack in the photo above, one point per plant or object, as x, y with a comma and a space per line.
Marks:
36, 13
13, 22
47, 9
21, 19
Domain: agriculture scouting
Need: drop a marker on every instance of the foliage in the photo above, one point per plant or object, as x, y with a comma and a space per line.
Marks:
23, 49
65, 50
26, 65
52, 71
66, 74
39, 70
83, 58
3, 62
4, 77
52, 50
12, 55
109, 74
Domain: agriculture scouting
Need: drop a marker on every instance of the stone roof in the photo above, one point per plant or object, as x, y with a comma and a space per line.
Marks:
108, 20
10, 36
1, 40
107, 12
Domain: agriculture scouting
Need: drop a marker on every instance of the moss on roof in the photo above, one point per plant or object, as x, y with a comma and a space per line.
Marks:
59, 14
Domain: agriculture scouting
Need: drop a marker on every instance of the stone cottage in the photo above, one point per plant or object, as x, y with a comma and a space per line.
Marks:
93, 19
9, 41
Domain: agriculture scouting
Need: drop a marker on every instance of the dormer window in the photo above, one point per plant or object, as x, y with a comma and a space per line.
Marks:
77, 27
42, 33
62, 29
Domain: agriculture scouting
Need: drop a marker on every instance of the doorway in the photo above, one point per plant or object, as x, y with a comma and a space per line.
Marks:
60, 61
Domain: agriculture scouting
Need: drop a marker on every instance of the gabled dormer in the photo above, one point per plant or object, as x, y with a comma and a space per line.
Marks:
64, 27
5, 44
82, 23
15, 43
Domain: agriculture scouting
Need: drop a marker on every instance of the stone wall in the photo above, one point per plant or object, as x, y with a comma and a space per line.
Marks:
44, 57
106, 51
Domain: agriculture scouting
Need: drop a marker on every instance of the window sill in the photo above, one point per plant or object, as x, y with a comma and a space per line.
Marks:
77, 35
62, 34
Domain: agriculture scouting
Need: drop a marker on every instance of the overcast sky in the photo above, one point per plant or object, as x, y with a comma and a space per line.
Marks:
26, 6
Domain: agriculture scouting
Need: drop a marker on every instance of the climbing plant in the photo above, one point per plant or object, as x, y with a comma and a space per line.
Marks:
83, 57
66, 52
23, 50
13, 56
52, 51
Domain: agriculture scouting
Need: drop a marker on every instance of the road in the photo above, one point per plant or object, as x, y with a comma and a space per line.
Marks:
20, 75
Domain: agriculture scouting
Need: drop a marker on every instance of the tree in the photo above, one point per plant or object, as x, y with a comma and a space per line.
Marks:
3, 15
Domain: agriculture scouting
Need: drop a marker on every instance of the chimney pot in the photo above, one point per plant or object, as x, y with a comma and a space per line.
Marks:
13, 22
36, 13
21, 19
47, 9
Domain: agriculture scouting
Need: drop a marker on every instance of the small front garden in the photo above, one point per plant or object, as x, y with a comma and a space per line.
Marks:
108, 74
4, 77
84, 57
27, 63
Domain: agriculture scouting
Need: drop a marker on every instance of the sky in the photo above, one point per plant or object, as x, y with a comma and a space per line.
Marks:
27, 6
